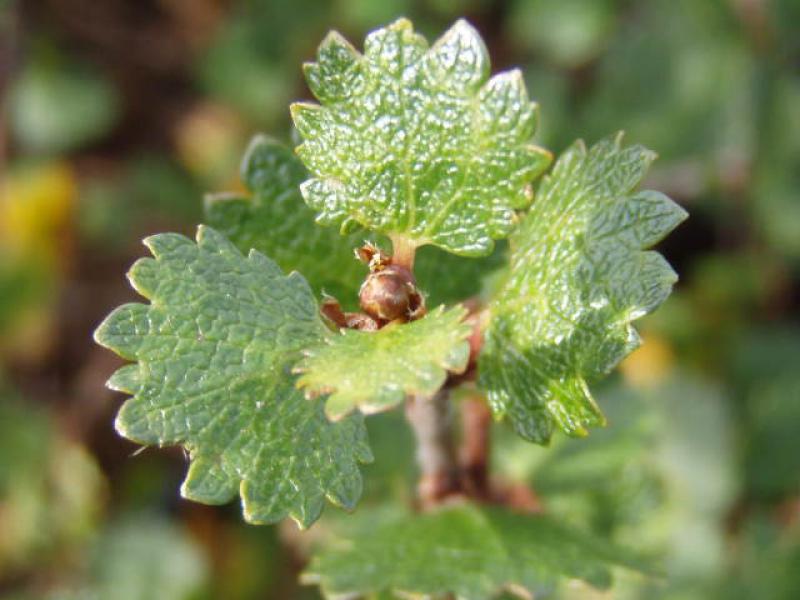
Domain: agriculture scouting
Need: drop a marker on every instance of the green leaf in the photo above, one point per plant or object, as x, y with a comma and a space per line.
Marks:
275, 221
578, 279
214, 351
374, 371
469, 551
416, 141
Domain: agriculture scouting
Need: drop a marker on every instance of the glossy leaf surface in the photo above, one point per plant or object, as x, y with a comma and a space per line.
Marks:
418, 141
579, 276
374, 371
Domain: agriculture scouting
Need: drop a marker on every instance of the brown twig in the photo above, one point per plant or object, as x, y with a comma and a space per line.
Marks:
445, 472
476, 421
440, 472
476, 316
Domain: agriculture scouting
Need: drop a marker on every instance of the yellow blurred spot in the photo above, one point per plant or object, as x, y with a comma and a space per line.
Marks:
209, 140
36, 205
36, 208
650, 364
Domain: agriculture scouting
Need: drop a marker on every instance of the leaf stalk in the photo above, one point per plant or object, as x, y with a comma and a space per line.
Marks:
403, 251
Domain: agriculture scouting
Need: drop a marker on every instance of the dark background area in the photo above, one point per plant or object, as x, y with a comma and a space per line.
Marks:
117, 116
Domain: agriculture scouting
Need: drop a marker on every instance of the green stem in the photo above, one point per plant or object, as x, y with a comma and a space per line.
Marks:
403, 251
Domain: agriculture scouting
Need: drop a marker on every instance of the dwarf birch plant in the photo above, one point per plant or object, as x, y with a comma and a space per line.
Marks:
418, 160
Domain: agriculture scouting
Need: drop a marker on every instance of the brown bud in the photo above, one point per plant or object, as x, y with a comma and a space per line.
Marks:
390, 294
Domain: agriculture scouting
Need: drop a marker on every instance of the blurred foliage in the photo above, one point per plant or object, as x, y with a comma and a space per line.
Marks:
143, 558
139, 558
470, 550
660, 478
119, 207
50, 489
116, 120
57, 105
567, 33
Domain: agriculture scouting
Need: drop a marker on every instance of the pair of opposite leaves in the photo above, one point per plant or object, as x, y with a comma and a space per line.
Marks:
409, 141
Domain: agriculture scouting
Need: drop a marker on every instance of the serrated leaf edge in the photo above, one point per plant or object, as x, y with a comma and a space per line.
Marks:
455, 362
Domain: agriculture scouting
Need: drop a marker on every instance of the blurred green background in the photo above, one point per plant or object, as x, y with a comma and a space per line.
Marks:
118, 115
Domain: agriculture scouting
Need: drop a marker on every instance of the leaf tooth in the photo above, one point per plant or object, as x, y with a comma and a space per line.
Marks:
360, 439
670, 215
402, 24
338, 73
123, 330
269, 167
311, 391
322, 137
540, 159
388, 396
396, 49
260, 509
213, 200
346, 491
636, 222
132, 423
459, 58
269, 266
335, 46
309, 119
505, 109
573, 407
163, 245
211, 240
126, 379
144, 277
309, 510
535, 426
633, 164
252, 158
655, 278
350, 225
300, 283
206, 482
327, 196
